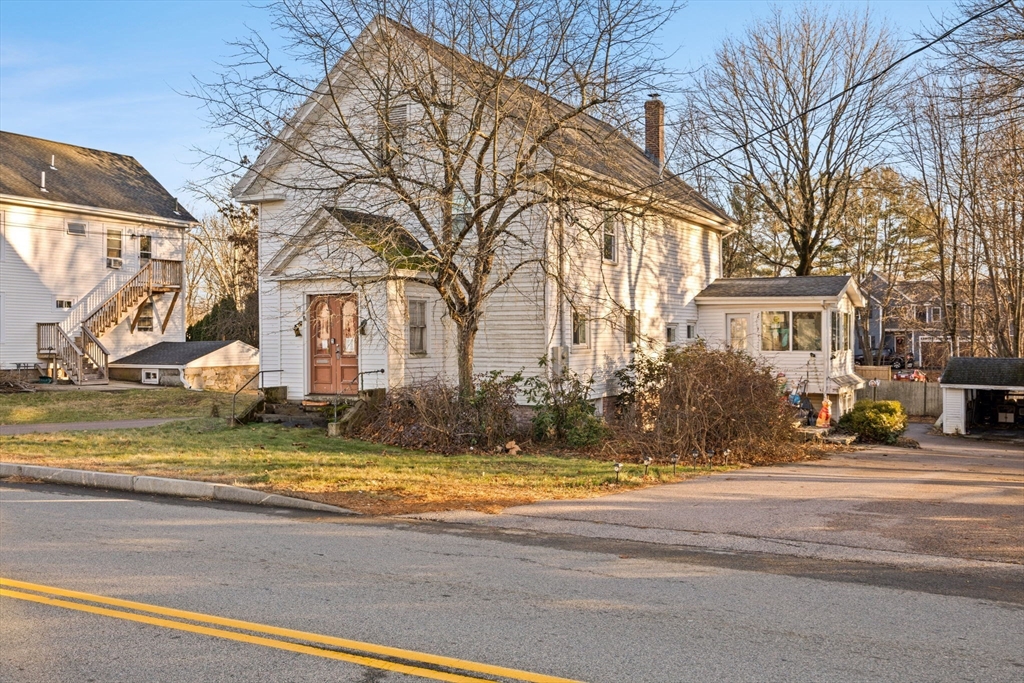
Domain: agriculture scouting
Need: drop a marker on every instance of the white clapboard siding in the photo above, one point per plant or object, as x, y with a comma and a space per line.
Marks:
954, 411
40, 262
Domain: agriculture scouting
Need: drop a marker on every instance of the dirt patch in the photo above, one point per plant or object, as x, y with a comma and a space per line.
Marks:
971, 531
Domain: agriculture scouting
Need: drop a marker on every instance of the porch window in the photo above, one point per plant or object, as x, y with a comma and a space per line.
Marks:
775, 331
579, 328
418, 327
807, 330
847, 331
837, 333
610, 239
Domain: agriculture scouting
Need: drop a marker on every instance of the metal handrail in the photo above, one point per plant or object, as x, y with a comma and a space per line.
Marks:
234, 420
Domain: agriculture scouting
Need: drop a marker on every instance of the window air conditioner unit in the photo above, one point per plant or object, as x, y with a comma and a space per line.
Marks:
114, 263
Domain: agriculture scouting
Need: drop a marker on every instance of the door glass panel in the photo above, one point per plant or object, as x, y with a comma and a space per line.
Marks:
323, 326
738, 333
349, 327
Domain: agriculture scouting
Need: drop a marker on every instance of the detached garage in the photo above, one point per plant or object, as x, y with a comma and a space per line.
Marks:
209, 365
981, 394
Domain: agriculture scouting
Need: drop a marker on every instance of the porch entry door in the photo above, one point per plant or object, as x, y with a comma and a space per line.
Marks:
334, 344
737, 332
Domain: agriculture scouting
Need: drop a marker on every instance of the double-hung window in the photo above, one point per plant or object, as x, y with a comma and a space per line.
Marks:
145, 247
418, 327
114, 240
632, 327
580, 321
610, 238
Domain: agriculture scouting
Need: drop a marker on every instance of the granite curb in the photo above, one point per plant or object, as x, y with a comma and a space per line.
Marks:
161, 486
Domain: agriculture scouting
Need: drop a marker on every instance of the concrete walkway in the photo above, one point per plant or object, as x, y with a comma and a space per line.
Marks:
952, 503
46, 427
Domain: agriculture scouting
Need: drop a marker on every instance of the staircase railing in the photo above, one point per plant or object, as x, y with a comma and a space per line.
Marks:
167, 274
95, 352
50, 338
126, 297
88, 303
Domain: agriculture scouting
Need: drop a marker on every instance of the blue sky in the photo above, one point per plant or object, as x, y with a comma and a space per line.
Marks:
108, 74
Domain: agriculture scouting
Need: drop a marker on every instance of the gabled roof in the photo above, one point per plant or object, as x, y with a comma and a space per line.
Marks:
589, 144
777, 287
984, 372
173, 353
82, 177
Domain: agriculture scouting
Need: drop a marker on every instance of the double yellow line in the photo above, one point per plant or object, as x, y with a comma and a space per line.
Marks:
366, 654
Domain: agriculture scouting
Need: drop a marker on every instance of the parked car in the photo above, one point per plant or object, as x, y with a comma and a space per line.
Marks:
910, 376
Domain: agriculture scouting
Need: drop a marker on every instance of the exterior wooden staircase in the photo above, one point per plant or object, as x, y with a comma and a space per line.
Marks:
76, 347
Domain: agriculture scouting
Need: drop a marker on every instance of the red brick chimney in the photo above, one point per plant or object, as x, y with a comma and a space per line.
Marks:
654, 129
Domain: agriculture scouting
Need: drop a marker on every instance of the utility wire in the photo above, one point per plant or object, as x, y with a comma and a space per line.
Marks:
853, 87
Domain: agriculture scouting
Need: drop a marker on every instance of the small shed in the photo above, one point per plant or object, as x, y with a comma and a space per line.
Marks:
200, 365
982, 393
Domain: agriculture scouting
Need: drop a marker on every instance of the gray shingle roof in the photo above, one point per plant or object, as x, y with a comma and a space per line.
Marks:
87, 177
822, 285
997, 372
172, 353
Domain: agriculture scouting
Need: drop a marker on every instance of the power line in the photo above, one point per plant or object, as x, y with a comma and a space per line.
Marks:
855, 86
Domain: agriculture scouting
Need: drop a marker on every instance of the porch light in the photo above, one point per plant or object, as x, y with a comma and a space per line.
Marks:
297, 329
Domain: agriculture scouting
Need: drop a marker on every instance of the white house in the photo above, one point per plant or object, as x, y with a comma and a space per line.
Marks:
91, 258
348, 299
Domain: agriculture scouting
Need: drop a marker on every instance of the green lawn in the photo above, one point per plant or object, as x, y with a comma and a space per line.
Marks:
356, 474
87, 406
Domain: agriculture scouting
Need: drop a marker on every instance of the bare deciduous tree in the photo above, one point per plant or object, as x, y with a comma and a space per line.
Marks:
456, 121
786, 123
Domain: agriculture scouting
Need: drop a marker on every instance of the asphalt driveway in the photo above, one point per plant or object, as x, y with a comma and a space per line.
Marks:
953, 502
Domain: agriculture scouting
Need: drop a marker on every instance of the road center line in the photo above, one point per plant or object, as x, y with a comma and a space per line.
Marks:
84, 500
368, 648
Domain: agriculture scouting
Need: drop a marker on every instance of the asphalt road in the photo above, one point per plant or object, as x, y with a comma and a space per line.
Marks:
582, 609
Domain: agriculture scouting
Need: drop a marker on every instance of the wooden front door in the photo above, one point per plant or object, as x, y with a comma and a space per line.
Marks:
334, 344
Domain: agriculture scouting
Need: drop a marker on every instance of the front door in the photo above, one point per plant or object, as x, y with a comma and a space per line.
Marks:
738, 332
334, 344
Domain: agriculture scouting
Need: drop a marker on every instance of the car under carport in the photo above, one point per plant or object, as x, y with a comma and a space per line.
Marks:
982, 394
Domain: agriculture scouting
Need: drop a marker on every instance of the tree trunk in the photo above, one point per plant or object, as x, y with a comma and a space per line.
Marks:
467, 339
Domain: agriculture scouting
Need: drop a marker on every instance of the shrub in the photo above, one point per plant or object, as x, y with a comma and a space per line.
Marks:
563, 410
434, 417
881, 421
693, 398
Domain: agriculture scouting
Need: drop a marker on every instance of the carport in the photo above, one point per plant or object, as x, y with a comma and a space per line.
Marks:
981, 394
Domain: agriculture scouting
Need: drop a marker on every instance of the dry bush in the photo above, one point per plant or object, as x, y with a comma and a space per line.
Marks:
433, 416
698, 399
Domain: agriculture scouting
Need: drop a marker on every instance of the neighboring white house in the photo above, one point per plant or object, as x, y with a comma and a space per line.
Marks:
91, 258
601, 282
802, 326
982, 393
